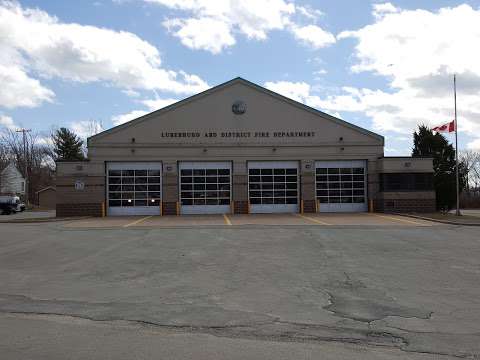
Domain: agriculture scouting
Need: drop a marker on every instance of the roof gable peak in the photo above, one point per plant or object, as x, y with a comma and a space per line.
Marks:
252, 85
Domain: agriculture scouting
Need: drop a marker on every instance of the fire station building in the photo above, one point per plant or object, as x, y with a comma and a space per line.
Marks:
240, 148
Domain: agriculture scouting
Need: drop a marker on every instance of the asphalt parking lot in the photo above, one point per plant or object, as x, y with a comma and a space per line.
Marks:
26, 215
346, 219
381, 290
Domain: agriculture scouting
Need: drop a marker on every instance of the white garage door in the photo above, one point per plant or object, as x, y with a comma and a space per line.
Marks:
205, 187
273, 186
134, 188
341, 186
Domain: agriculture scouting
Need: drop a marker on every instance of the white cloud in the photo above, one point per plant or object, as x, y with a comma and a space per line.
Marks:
36, 44
18, 89
303, 92
320, 72
382, 9
156, 104
131, 93
418, 60
298, 91
45, 140
204, 33
388, 112
309, 12
6, 122
389, 150
433, 43
474, 145
313, 35
151, 104
123, 118
213, 25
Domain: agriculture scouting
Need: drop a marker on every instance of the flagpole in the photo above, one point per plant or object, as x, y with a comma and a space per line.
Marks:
456, 145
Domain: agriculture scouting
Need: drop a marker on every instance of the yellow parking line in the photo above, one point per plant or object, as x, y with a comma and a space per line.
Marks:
313, 219
138, 221
402, 220
227, 220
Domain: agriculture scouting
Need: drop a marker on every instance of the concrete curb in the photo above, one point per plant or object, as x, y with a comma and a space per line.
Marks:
42, 220
437, 220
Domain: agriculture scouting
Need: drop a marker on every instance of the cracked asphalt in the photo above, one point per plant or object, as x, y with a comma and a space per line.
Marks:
266, 292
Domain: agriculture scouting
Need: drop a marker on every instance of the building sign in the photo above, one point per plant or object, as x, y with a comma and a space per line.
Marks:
239, 134
79, 185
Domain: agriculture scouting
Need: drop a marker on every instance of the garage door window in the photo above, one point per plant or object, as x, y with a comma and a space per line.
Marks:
205, 186
273, 186
129, 188
340, 185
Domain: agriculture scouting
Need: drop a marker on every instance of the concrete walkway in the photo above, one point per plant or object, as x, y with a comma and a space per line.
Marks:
471, 212
318, 219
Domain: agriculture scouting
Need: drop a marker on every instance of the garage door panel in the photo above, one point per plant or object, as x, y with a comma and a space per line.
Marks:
205, 187
134, 188
273, 186
341, 185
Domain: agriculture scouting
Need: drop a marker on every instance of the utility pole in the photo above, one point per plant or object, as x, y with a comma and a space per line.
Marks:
24, 133
457, 212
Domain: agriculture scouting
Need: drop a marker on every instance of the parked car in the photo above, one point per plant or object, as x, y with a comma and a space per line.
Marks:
11, 205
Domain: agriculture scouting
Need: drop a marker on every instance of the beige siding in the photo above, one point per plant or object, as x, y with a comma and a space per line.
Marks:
405, 165
272, 129
47, 199
213, 114
91, 174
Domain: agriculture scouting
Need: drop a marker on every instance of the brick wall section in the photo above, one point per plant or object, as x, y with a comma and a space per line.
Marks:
240, 207
169, 208
405, 205
309, 206
378, 205
82, 209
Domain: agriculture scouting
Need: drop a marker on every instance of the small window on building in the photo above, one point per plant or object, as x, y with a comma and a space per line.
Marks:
23, 186
406, 182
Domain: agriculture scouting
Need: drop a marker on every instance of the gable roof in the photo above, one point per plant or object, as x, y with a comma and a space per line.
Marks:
11, 166
47, 188
230, 83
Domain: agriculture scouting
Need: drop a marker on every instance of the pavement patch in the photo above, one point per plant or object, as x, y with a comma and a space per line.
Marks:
316, 221
227, 220
137, 221
397, 218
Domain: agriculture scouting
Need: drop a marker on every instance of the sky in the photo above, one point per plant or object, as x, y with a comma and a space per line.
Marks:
385, 66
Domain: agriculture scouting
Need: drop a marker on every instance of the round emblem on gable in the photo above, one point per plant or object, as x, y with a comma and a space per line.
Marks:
79, 185
239, 107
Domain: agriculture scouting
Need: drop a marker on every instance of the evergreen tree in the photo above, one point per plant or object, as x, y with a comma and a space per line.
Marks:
426, 143
67, 146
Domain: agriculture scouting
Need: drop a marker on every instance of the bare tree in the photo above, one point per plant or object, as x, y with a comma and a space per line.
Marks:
4, 155
92, 127
88, 128
39, 169
471, 160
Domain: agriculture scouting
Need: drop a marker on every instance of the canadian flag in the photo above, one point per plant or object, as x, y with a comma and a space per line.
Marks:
448, 127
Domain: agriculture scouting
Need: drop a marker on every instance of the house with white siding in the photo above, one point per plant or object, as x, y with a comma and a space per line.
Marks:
11, 181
